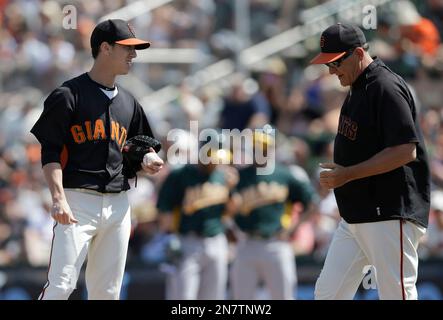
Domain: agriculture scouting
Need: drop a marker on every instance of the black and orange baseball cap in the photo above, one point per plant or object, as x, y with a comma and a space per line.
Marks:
336, 40
116, 31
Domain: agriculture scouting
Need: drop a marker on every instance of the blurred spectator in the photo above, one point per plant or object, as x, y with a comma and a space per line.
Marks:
434, 11
38, 230
418, 35
436, 161
187, 107
245, 107
271, 81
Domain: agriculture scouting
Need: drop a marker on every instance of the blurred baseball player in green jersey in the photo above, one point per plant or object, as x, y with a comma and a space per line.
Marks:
266, 254
191, 203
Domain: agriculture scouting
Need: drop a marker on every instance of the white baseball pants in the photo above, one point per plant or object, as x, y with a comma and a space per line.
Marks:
202, 273
101, 234
270, 260
389, 246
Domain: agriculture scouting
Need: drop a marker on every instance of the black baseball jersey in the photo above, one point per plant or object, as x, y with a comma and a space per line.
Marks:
380, 112
84, 130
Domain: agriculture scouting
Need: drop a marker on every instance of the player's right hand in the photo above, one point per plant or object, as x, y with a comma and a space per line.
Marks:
61, 213
152, 163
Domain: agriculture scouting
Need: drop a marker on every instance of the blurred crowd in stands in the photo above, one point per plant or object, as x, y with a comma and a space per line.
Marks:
301, 102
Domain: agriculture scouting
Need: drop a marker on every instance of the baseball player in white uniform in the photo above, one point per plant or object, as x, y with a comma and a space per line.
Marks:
82, 130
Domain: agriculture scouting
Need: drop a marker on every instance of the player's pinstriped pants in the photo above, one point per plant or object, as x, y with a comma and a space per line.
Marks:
202, 273
270, 260
102, 234
390, 246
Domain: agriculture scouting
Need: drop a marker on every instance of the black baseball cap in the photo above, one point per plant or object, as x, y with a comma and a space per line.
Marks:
116, 31
336, 40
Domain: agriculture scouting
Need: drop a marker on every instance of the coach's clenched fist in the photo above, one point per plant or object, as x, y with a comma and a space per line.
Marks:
334, 176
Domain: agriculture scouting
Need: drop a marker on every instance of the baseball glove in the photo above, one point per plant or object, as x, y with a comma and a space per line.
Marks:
133, 152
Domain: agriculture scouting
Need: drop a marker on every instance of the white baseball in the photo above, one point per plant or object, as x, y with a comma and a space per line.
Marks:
150, 158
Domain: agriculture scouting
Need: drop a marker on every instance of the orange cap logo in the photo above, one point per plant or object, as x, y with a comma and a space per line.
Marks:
322, 42
131, 30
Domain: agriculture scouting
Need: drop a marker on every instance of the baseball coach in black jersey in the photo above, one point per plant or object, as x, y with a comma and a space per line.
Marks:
82, 129
380, 174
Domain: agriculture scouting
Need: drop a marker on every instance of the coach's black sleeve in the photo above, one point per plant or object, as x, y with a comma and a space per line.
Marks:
52, 127
395, 123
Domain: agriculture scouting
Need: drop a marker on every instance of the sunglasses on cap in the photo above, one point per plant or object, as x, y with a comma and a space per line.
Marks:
337, 63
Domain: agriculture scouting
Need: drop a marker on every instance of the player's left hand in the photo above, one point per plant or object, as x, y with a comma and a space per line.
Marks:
153, 164
335, 176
